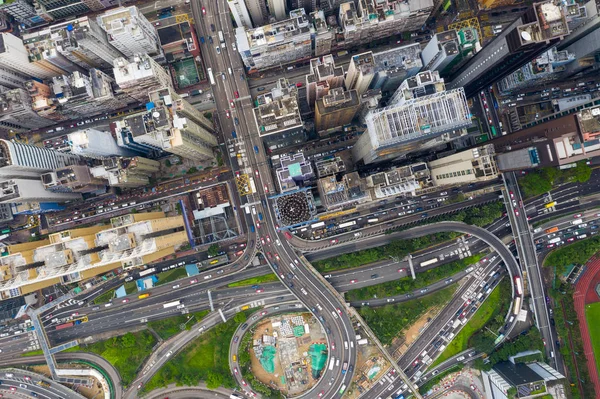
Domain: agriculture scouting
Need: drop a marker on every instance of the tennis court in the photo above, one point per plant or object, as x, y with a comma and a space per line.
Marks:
186, 73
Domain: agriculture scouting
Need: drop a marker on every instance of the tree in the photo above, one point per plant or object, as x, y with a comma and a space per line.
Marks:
128, 340
213, 250
192, 170
483, 342
240, 317
214, 380
167, 163
582, 172
511, 393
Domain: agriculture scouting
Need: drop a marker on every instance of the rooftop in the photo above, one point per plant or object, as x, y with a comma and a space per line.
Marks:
280, 31
337, 99
404, 57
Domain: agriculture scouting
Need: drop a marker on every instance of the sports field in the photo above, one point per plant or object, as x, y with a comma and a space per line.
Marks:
186, 73
592, 315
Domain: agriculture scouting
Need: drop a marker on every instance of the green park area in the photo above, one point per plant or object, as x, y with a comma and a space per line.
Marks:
407, 284
490, 314
387, 321
592, 315
204, 359
171, 275
166, 328
542, 180
576, 253
267, 278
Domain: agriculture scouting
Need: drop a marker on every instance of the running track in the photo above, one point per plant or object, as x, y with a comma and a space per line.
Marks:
584, 286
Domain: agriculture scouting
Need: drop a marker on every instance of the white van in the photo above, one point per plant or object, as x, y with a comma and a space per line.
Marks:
230, 71
345, 344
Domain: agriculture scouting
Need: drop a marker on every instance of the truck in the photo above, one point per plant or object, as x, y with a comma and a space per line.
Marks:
234, 134
344, 367
221, 39
63, 326
260, 216
554, 240
143, 296
552, 230
456, 323
171, 304
252, 229
576, 222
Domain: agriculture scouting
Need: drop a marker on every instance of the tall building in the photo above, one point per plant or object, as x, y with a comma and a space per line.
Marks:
18, 160
14, 57
12, 79
323, 76
308, 5
277, 9
126, 172
24, 190
330, 7
90, 143
447, 48
179, 105
585, 52
276, 44
168, 126
79, 254
538, 29
322, 34
378, 19
43, 101
44, 51
393, 66
17, 114
129, 31
549, 66
140, 76
361, 71
240, 14
22, 11
473, 165
422, 116
277, 116
84, 43
258, 12
336, 109
72, 179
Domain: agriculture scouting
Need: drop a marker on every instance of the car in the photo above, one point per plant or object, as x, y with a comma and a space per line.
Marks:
473, 387
332, 345
257, 225
194, 281
235, 370
266, 189
339, 311
236, 94
321, 393
334, 241
262, 240
258, 291
75, 314
264, 312
13, 388
28, 378
353, 281
577, 216
232, 103
157, 23
517, 212
570, 239
512, 195
139, 386
227, 114
203, 11
125, 300
244, 383
269, 255
544, 341
268, 239
256, 172
550, 246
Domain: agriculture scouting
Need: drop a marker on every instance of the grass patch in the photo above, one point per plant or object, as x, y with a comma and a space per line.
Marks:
171, 275
592, 315
487, 310
130, 287
105, 297
398, 249
126, 353
204, 359
435, 380
267, 278
40, 352
166, 328
386, 321
407, 284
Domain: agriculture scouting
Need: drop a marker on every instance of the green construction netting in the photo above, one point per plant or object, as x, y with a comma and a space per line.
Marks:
318, 355
267, 359
298, 331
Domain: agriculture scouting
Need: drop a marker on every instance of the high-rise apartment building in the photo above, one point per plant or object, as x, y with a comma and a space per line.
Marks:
323, 76
129, 31
22, 11
84, 43
168, 126
126, 172
78, 254
376, 19
446, 48
278, 116
44, 51
277, 9
90, 143
276, 44
308, 5
421, 115
240, 13
322, 34
12, 79
16, 112
140, 76
179, 105
538, 29
24, 190
336, 109
393, 66
14, 57
258, 12
72, 179
361, 71
75, 94
18, 160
